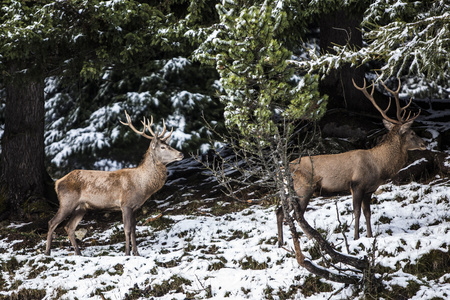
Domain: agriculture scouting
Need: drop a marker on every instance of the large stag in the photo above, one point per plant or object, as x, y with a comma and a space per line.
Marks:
360, 171
124, 190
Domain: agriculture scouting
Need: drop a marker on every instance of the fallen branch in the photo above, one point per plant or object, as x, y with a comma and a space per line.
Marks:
360, 264
302, 260
151, 219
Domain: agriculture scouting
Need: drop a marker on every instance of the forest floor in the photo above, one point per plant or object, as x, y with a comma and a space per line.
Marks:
217, 249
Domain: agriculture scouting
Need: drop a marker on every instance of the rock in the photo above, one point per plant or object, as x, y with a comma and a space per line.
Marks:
81, 233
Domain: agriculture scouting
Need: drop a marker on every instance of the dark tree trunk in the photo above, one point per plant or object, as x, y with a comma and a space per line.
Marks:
341, 27
22, 157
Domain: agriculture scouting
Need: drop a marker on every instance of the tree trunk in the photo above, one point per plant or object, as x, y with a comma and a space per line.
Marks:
22, 157
341, 27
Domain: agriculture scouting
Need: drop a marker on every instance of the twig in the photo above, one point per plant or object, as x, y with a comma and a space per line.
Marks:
288, 250
342, 229
201, 284
151, 219
335, 293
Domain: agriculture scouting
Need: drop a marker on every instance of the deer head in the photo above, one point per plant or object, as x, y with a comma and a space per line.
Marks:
402, 124
159, 143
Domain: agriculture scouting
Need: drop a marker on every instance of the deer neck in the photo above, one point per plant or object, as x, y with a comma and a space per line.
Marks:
151, 164
390, 155
151, 173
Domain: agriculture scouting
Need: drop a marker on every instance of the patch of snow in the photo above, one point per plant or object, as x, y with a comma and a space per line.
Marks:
418, 223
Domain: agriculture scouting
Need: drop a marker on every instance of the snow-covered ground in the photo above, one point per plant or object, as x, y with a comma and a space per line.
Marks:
235, 255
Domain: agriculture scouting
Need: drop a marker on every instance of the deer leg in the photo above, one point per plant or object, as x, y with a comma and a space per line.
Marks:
302, 204
77, 216
357, 199
133, 235
62, 213
128, 216
366, 211
280, 218
304, 200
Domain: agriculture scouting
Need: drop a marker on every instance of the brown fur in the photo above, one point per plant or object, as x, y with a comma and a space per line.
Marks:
360, 171
125, 190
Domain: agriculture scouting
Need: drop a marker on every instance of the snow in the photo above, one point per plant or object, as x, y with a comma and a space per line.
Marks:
70, 133
175, 65
82, 138
447, 163
193, 247
417, 162
142, 98
186, 99
110, 165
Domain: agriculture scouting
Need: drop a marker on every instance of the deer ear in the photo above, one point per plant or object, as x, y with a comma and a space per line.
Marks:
388, 124
405, 127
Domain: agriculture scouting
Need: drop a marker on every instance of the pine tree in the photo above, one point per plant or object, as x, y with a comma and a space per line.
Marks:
83, 128
255, 75
404, 38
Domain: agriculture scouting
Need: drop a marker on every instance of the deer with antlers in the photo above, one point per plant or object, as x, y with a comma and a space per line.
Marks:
360, 171
125, 190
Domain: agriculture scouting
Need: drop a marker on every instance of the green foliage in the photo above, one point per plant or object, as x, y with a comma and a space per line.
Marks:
314, 284
432, 265
254, 71
384, 12
413, 42
80, 36
249, 43
11, 265
323, 7
404, 38
27, 294
175, 284
83, 37
249, 263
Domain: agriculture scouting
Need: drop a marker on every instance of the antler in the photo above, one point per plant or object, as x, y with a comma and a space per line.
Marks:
370, 97
161, 136
130, 124
401, 111
147, 125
